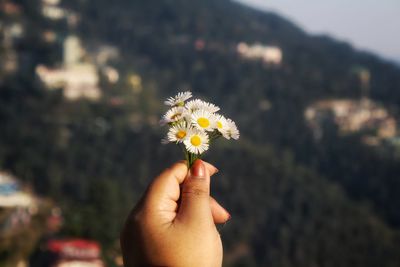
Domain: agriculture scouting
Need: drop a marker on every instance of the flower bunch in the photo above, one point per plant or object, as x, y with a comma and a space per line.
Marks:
195, 124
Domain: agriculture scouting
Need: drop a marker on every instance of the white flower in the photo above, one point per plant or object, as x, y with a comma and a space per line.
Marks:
179, 99
221, 124
194, 105
196, 141
198, 104
203, 120
173, 115
231, 130
177, 133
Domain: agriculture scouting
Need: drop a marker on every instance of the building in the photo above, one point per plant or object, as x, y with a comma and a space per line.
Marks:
269, 54
11, 194
17, 206
73, 253
72, 51
51, 10
77, 79
353, 116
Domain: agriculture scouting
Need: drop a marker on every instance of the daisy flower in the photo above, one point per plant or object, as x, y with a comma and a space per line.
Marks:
196, 141
198, 104
231, 130
221, 123
177, 133
194, 105
173, 115
203, 120
178, 100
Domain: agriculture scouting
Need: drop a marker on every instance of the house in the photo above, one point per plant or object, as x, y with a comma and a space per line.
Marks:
77, 79
74, 253
11, 194
268, 54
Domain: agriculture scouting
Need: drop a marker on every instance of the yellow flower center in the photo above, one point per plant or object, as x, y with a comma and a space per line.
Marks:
219, 124
195, 140
203, 122
180, 134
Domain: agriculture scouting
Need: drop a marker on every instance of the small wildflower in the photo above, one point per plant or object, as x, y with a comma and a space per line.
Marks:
175, 114
197, 104
177, 133
203, 120
196, 141
178, 100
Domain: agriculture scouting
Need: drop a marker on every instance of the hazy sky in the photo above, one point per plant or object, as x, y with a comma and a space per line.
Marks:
372, 25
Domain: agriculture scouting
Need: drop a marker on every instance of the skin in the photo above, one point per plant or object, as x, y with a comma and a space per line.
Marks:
174, 223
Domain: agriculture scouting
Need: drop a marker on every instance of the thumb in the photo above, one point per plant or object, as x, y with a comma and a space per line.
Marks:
195, 196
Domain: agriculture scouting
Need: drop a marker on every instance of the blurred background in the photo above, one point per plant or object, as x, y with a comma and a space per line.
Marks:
313, 86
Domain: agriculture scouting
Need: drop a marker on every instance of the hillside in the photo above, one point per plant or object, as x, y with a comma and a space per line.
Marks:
294, 200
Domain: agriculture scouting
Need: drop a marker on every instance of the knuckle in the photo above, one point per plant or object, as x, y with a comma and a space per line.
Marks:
194, 191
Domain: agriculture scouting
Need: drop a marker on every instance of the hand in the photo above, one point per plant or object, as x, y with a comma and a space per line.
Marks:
175, 226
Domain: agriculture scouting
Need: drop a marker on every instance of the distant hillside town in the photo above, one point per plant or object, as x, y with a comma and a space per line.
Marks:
352, 116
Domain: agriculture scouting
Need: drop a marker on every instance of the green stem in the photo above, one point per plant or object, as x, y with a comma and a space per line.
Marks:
189, 157
192, 158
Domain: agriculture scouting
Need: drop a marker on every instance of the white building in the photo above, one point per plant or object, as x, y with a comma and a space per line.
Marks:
53, 12
73, 51
11, 196
268, 54
77, 81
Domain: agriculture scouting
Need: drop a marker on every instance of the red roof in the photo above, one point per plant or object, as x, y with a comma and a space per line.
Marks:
74, 248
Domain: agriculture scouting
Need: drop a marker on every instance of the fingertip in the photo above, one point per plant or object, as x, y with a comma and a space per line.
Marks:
198, 169
211, 168
219, 213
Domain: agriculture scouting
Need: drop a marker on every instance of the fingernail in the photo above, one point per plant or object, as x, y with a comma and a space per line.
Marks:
229, 215
198, 169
